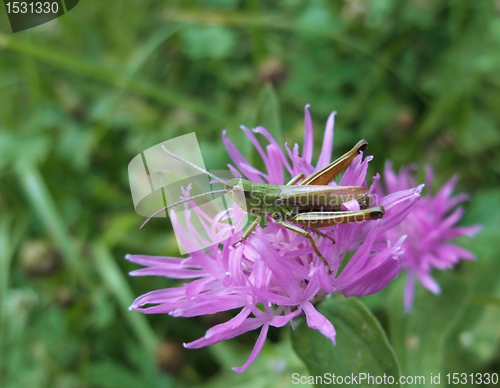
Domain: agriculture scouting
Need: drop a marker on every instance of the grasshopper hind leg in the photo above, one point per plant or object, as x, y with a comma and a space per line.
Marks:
296, 179
320, 233
307, 235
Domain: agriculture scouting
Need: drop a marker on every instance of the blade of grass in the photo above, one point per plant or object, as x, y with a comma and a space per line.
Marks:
85, 68
42, 202
35, 189
115, 282
9, 239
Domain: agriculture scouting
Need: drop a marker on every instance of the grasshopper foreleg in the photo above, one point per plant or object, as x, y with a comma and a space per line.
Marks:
307, 235
249, 230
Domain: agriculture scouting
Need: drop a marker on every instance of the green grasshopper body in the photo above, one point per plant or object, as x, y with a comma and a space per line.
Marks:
311, 204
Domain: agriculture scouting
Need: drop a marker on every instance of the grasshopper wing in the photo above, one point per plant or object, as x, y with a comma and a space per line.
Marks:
321, 197
330, 172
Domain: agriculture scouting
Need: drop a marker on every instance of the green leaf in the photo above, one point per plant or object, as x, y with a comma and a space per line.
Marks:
418, 336
474, 339
361, 347
274, 367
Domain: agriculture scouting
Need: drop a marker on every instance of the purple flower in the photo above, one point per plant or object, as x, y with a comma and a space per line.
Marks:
429, 228
274, 275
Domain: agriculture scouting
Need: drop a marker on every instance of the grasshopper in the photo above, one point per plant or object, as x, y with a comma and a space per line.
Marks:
310, 204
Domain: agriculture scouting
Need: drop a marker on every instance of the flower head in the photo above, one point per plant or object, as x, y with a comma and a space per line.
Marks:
274, 275
430, 228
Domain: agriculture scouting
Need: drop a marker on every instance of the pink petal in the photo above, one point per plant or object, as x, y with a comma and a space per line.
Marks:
429, 283
169, 273
351, 205
256, 350
318, 321
230, 329
255, 143
462, 231
326, 149
273, 261
409, 291
263, 131
239, 160
274, 166
209, 304
307, 149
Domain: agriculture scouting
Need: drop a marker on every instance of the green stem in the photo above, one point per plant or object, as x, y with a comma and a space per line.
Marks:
6, 250
115, 282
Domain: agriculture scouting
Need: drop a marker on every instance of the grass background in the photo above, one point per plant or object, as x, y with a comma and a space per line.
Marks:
82, 95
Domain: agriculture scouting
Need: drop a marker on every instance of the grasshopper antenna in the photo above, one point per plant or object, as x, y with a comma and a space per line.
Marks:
193, 165
190, 198
178, 203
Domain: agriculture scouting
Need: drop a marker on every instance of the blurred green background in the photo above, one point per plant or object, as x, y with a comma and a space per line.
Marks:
82, 95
